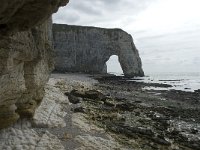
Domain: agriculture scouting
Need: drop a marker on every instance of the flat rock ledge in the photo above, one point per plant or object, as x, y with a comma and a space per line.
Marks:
24, 134
54, 126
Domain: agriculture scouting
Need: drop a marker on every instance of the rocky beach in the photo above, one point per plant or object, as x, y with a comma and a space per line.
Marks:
84, 112
80, 106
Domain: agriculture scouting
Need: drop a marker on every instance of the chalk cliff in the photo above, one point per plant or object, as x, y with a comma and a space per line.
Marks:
87, 49
25, 55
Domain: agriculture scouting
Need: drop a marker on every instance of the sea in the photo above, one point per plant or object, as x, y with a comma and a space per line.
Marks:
184, 81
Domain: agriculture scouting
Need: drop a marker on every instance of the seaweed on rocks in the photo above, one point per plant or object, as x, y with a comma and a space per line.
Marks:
169, 120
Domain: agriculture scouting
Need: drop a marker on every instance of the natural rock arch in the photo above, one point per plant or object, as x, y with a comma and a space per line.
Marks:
87, 49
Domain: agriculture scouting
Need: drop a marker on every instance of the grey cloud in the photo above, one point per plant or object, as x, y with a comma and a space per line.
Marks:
84, 7
73, 18
156, 49
92, 11
68, 16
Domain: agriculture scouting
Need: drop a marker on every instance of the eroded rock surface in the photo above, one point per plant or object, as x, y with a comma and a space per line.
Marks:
25, 67
34, 134
87, 49
54, 125
18, 15
25, 55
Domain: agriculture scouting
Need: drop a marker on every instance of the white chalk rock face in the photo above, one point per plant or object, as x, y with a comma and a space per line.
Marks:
87, 49
25, 56
35, 134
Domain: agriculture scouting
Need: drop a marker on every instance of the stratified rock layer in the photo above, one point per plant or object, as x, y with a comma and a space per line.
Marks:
25, 55
87, 49
25, 67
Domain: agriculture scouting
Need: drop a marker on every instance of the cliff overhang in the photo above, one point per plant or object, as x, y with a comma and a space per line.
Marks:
21, 15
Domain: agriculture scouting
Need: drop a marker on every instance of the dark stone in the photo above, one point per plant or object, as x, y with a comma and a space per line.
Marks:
77, 93
73, 99
175, 133
194, 131
120, 128
78, 110
161, 141
93, 94
66, 93
138, 101
125, 106
109, 102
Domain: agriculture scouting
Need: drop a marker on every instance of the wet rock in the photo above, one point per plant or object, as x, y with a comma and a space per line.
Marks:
138, 101
120, 99
194, 146
93, 94
160, 118
125, 106
137, 113
78, 110
120, 128
174, 133
141, 130
78, 93
110, 102
128, 90
161, 140
197, 91
74, 100
194, 131
66, 93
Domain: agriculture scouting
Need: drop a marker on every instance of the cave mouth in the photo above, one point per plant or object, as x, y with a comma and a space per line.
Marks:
113, 65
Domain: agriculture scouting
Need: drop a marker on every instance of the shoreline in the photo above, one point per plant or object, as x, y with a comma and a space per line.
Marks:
141, 114
173, 111
183, 81
83, 112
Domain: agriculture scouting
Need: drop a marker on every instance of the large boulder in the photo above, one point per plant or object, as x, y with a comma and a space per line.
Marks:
87, 49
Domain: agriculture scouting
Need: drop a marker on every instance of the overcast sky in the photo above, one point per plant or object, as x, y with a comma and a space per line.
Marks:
166, 32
